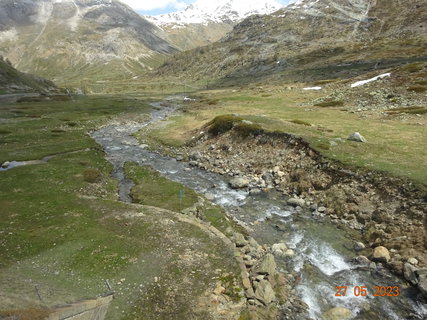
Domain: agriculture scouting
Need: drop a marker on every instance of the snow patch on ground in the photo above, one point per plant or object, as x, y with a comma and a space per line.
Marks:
363, 82
312, 88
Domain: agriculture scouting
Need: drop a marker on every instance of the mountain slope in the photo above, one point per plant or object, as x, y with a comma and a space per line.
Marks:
207, 21
311, 39
12, 80
70, 39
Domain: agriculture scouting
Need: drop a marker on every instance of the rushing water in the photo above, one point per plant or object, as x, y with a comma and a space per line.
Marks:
322, 250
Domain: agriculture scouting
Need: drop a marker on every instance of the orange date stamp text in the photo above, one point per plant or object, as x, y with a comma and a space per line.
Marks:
363, 291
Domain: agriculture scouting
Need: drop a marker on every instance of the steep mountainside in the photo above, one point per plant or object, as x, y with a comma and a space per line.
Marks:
207, 21
67, 39
11, 80
312, 39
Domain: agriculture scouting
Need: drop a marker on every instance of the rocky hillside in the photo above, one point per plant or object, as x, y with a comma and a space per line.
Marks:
205, 22
73, 39
312, 40
11, 80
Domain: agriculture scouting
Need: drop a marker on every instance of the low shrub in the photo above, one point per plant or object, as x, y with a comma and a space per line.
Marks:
92, 175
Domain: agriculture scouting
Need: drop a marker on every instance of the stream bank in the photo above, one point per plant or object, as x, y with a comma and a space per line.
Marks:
308, 248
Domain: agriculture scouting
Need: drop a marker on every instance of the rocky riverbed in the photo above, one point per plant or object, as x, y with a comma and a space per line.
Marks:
389, 213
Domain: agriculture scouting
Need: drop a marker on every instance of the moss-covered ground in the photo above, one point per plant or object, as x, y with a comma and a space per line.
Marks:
64, 235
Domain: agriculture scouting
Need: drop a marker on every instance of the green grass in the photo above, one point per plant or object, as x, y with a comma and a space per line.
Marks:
393, 146
63, 230
153, 189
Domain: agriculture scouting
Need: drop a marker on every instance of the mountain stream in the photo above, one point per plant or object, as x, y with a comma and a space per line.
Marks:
322, 251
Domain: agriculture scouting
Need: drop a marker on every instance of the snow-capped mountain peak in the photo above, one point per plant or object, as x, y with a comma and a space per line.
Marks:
206, 11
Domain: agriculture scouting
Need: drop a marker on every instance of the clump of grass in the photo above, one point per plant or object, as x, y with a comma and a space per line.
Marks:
410, 110
92, 175
222, 124
413, 67
330, 103
245, 129
326, 81
3, 131
212, 102
421, 82
57, 130
72, 124
417, 89
301, 122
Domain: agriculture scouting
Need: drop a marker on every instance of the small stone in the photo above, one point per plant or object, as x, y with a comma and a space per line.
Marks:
279, 247
321, 209
358, 246
296, 202
413, 261
239, 183
219, 290
5, 164
337, 314
356, 136
246, 283
179, 158
239, 240
381, 254
289, 253
361, 260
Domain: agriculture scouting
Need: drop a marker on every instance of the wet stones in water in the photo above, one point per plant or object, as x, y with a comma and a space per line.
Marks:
239, 183
296, 202
409, 273
358, 246
422, 281
361, 261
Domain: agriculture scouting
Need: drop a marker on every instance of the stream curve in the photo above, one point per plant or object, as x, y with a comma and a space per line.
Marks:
322, 251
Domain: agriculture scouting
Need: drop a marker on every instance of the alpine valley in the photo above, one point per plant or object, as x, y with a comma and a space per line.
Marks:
234, 160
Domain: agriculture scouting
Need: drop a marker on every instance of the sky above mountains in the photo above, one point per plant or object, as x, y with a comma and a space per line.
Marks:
155, 7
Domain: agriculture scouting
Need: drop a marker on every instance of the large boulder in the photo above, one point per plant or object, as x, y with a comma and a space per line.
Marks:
356, 136
267, 265
264, 292
239, 182
337, 313
381, 254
